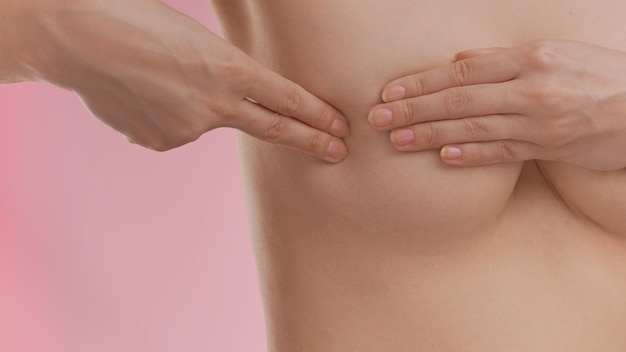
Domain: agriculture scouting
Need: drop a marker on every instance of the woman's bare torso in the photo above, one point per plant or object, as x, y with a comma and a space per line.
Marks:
398, 252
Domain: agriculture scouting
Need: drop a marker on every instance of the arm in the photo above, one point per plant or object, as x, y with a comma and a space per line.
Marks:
549, 100
12, 69
158, 76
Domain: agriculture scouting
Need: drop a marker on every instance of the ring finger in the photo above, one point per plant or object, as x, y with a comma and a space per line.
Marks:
435, 134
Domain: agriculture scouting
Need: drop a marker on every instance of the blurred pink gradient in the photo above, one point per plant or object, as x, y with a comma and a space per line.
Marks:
105, 246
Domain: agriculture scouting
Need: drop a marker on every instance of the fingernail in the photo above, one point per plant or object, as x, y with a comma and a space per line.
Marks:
337, 150
450, 153
402, 137
340, 129
381, 117
394, 93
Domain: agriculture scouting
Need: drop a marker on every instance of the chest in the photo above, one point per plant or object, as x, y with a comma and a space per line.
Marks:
599, 196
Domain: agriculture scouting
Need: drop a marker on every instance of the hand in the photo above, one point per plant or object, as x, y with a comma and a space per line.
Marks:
549, 100
162, 79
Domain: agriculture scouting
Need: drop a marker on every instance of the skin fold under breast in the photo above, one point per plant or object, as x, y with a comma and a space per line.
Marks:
397, 251
341, 62
344, 52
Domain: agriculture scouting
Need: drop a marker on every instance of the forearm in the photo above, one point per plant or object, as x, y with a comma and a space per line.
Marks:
158, 76
14, 41
68, 42
26, 49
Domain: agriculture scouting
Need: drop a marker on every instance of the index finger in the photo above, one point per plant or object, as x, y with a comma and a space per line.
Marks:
497, 67
287, 98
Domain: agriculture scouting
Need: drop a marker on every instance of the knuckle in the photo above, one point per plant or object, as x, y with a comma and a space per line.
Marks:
541, 54
222, 107
291, 100
276, 129
562, 130
538, 92
548, 97
457, 102
556, 154
504, 151
475, 128
422, 84
541, 136
462, 71
551, 94
407, 112
322, 119
430, 135
315, 142
236, 71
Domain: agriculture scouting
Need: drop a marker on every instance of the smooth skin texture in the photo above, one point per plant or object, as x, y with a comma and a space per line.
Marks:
548, 100
399, 251
159, 77
385, 250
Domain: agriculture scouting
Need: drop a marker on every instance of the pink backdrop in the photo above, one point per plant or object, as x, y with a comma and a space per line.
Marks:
105, 246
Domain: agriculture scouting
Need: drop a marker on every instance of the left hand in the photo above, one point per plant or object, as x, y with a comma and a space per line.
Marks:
548, 100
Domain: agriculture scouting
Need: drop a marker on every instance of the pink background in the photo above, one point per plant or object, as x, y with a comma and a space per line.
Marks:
105, 246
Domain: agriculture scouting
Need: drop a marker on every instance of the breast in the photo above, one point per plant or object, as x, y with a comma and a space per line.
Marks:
373, 245
598, 196
345, 54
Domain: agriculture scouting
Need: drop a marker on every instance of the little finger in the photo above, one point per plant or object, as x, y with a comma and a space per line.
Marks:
430, 135
485, 153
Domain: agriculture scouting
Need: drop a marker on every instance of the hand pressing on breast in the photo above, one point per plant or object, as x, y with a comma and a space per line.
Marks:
549, 100
159, 77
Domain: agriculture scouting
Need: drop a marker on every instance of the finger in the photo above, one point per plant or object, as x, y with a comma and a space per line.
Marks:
497, 67
272, 127
289, 99
476, 52
502, 151
431, 135
454, 103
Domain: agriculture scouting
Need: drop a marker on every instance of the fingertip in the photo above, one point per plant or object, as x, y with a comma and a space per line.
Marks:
462, 156
393, 92
402, 137
380, 118
451, 153
336, 151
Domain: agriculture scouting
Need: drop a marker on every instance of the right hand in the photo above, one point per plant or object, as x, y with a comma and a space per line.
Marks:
162, 79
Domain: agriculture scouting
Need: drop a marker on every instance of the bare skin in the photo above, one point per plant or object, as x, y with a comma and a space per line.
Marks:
159, 77
397, 249
549, 100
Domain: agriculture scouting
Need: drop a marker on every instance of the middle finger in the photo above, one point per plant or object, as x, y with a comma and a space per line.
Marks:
453, 103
